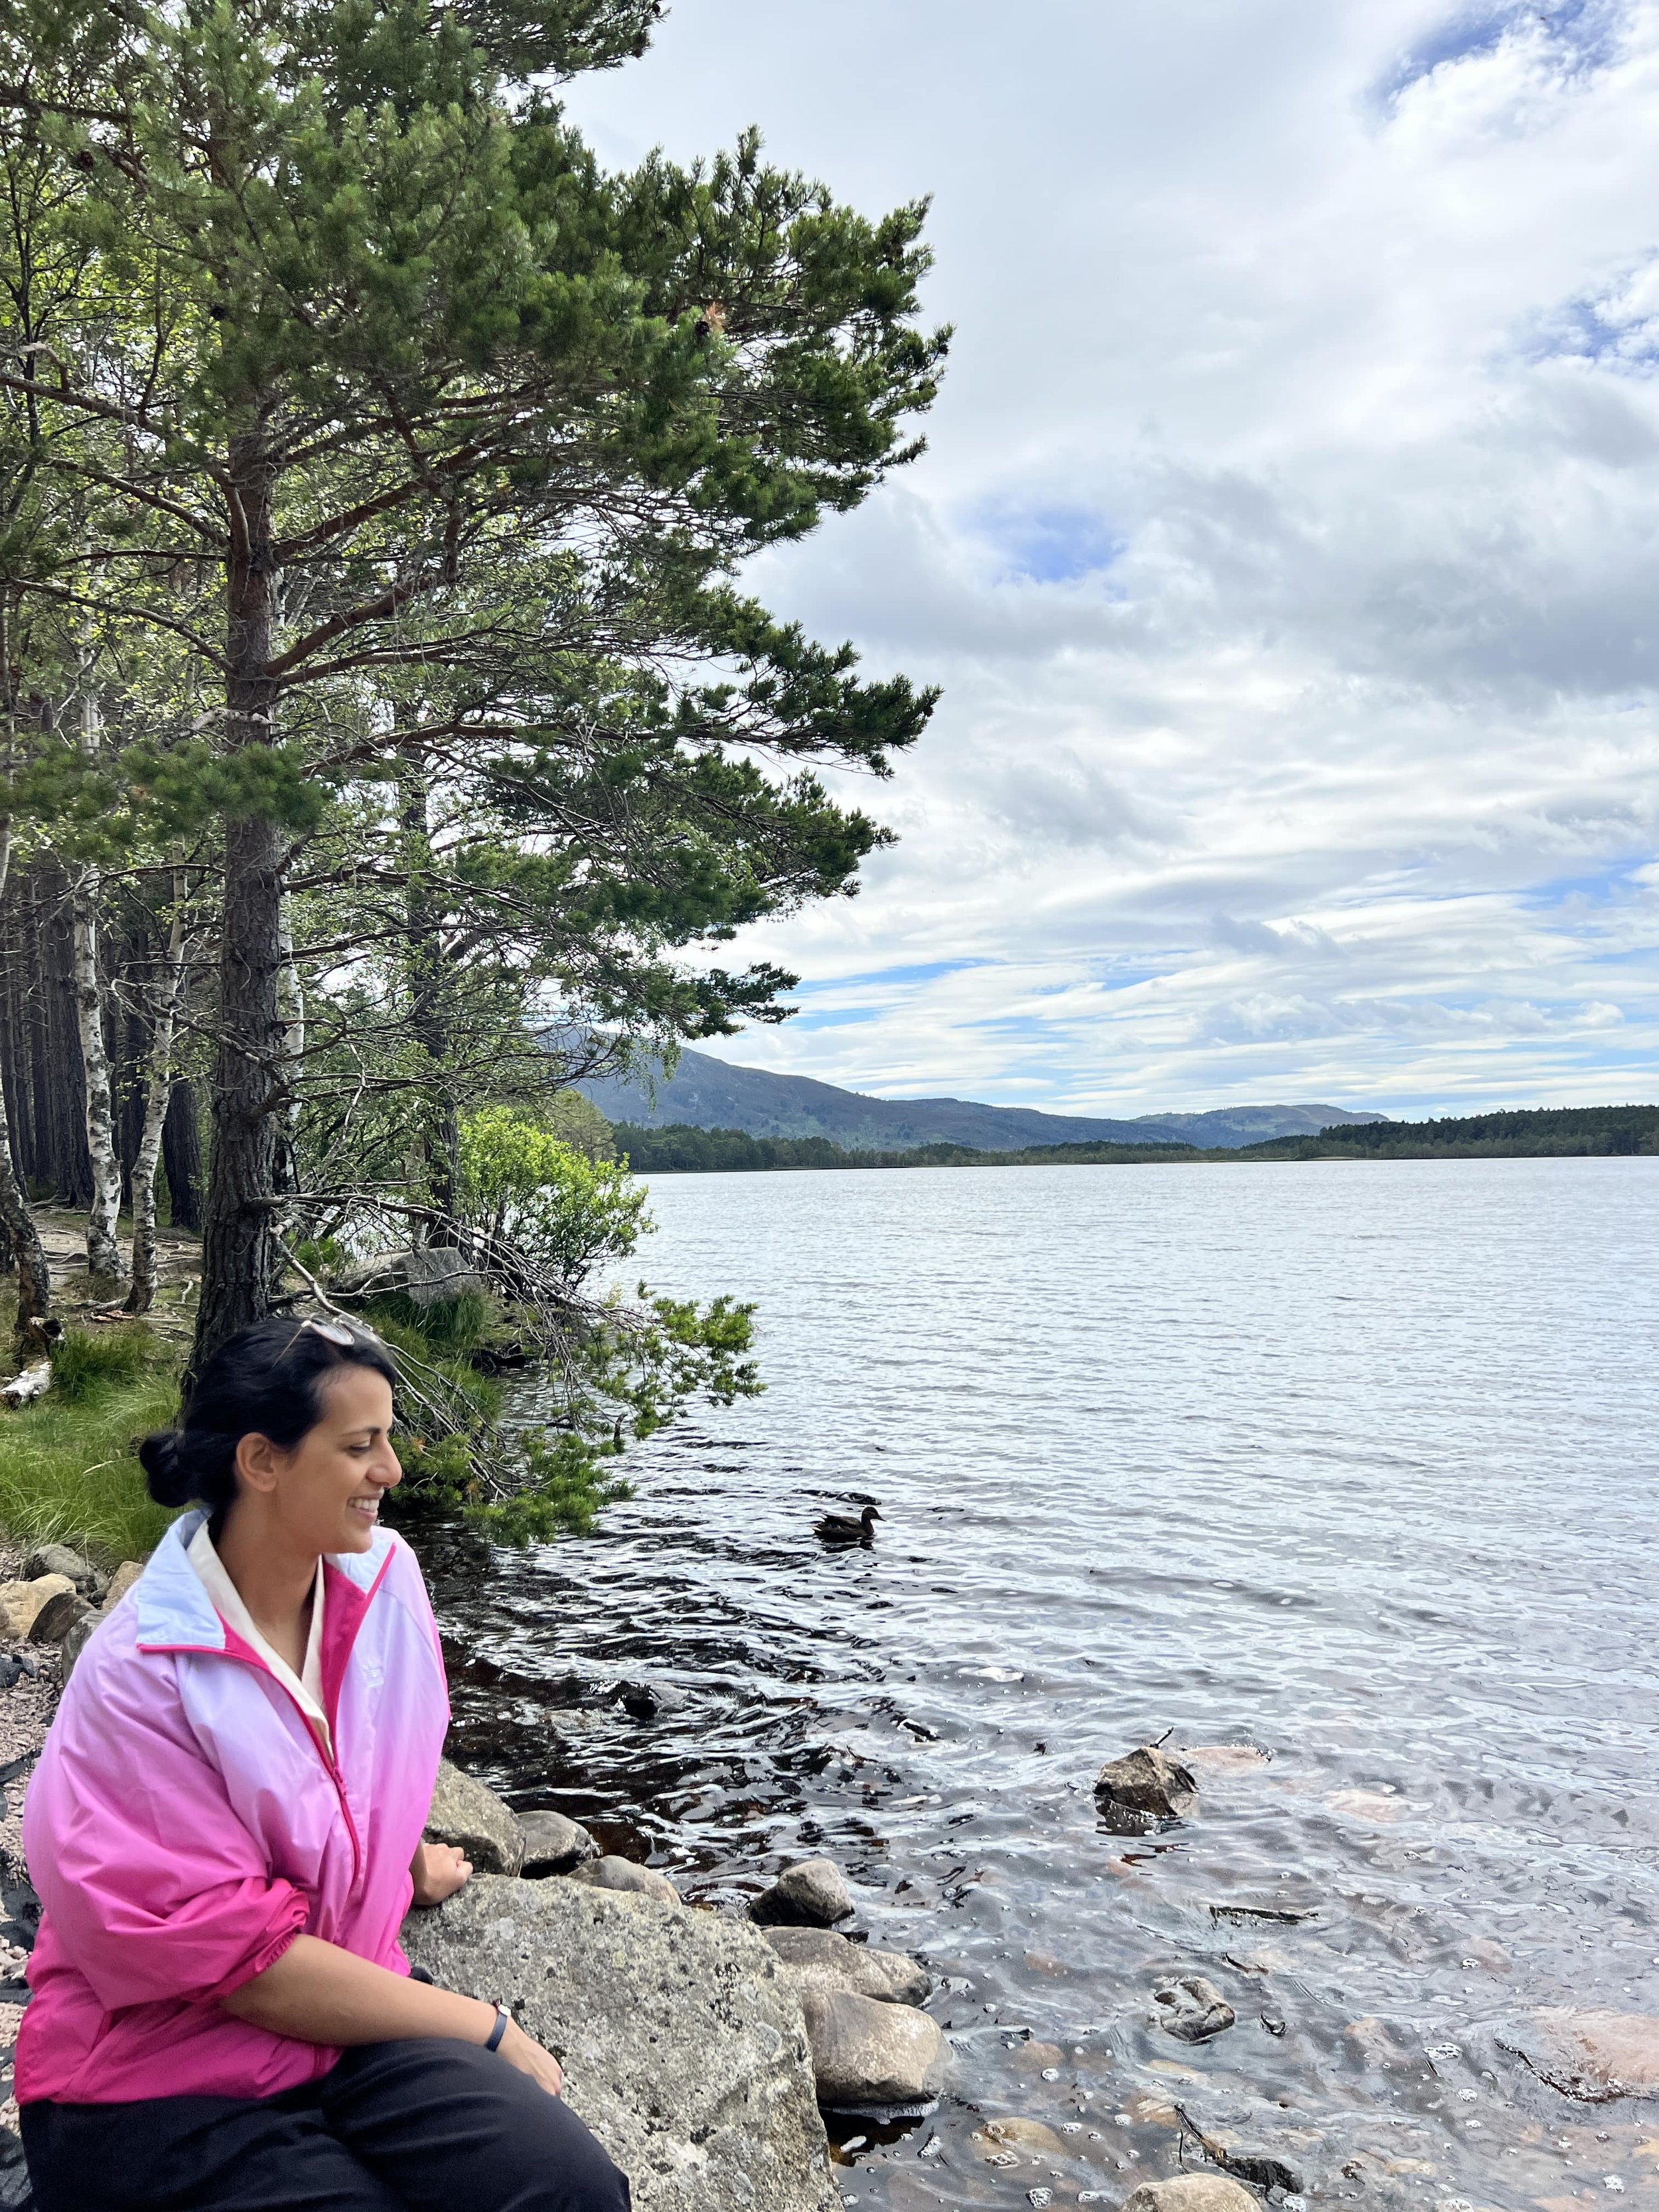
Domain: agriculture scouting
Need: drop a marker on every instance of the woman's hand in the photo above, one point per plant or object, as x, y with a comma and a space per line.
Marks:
438, 1870
523, 2052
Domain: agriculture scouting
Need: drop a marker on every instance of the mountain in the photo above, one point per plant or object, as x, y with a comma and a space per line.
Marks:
716, 1094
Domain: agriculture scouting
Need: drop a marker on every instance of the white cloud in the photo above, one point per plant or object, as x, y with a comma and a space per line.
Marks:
1288, 544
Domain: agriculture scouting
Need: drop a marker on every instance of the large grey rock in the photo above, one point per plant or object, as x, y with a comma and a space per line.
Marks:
813, 1894
1147, 1782
1594, 2056
626, 1878
683, 2050
552, 1844
818, 1958
476, 1820
427, 1274
1192, 2192
59, 1560
883, 2059
1193, 2008
58, 1616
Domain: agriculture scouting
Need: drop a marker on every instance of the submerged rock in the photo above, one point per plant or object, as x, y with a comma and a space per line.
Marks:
1148, 1782
868, 2056
683, 2050
554, 1845
1192, 2192
466, 1814
625, 1876
648, 1701
813, 1894
1594, 2057
818, 1958
1193, 2008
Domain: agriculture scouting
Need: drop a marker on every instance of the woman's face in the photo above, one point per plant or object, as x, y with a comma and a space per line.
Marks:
326, 1494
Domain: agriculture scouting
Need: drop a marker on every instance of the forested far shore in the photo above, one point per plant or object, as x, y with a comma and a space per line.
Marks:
679, 1148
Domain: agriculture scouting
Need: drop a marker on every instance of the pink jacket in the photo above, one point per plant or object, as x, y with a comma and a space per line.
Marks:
185, 1823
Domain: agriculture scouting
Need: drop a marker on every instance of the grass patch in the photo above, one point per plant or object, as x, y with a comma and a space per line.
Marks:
87, 1363
68, 1472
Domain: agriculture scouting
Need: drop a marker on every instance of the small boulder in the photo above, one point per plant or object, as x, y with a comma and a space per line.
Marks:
59, 1560
553, 1844
466, 1814
881, 2059
1192, 2192
1193, 2008
818, 1958
58, 1616
20, 1602
609, 1873
121, 1582
812, 1894
1146, 1781
426, 1274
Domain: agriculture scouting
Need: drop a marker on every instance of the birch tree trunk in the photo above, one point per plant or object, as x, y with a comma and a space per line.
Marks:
158, 1094
33, 1276
105, 1259
105, 1262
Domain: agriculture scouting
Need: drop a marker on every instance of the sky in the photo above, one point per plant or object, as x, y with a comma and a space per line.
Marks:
1287, 544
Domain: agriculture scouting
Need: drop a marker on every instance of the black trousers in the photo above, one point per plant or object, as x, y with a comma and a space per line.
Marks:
395, 2127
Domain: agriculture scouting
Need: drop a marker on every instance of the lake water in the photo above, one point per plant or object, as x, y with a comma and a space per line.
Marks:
1353, 1463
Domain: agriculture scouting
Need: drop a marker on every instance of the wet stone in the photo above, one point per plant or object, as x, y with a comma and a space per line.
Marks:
624, 1874
1147, 1782
1192, 2192
553, 1844
1193, 2009
818, 1958
884, 2059
813, 1894
1594, 2057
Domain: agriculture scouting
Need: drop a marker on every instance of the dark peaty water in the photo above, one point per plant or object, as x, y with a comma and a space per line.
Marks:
1353, 1464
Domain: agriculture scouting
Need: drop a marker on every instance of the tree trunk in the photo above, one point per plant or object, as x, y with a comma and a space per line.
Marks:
105, 1259
33, 1276
238, 1246
440, 1132
181, 1156
158, 1089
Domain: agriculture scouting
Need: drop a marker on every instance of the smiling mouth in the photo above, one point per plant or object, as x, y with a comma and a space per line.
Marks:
369, 1507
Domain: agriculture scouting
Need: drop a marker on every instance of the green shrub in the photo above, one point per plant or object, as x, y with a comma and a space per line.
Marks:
453, 1325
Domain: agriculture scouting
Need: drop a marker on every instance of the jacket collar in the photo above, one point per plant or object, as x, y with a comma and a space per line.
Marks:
175, 1613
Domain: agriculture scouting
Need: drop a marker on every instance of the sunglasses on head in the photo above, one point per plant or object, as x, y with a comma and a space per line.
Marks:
341, 1332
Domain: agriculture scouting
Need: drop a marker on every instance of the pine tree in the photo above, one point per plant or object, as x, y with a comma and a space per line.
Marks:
430, 448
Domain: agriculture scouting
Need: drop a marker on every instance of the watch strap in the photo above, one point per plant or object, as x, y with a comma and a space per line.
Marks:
502, 2016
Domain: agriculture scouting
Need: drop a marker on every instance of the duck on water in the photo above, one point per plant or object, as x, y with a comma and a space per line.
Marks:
841, 1528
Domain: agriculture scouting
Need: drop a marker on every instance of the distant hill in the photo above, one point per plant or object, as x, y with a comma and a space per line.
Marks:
706, 1093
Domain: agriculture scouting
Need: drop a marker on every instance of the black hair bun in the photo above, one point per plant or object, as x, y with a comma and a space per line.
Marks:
171, 1479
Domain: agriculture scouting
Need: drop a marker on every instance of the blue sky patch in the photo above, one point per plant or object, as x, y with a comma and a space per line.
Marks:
1586, 32
1054, 544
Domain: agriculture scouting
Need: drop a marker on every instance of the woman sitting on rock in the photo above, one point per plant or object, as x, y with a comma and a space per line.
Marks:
225, 1830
